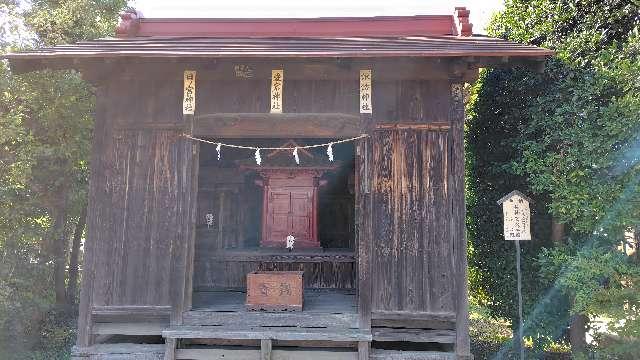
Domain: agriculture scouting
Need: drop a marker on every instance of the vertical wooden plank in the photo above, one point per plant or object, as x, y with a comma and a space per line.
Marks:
456, 179
95, 198
121, 184
445, 272
427, 216
363, 233
160, 197
133, 243
399, 192
170, 349
265, 349
191, 227
411, 290
363, 350
384, 252
178, 282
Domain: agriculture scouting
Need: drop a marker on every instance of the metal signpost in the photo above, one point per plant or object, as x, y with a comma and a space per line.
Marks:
517, 226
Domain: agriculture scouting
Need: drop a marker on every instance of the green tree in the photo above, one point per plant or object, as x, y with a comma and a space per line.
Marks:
571, 141
46, 120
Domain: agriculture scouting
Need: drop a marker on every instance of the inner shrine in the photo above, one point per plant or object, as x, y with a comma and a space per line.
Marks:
290, 196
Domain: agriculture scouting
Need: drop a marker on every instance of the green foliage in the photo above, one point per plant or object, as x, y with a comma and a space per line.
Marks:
46, 120
578, 28
60, 22
494, 127
580, 144
570, 138
487, 333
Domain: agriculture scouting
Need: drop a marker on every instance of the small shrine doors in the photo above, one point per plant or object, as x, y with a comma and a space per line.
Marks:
291, 213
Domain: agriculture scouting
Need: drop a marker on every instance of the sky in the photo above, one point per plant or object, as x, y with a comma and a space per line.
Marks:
481, 10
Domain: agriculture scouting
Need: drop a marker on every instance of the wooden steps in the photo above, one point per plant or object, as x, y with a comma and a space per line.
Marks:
305, 319
119, 352
275, 354
267, 336
377, 354
271, 333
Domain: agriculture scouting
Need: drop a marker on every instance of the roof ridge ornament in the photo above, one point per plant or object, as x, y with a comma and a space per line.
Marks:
129, 24
463, 26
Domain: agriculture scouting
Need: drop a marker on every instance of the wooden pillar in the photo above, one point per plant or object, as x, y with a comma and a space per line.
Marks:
170, 349
102, 132
265, 349
363, 350
180, 287
456, 179
364, 230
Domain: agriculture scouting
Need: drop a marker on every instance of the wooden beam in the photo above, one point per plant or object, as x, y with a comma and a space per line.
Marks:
266, 125
457, 219
276, 354
379, 354
435, 126
211, 354
181, 263
170, 349
122, 314
402, 68
364, 229
414, 335
274, 333
120, 350
131, 310
280, 257
150, 126
363, 350
414, 324
85, 318
151, 328
532, 63
265, 349
215, 318
410, 315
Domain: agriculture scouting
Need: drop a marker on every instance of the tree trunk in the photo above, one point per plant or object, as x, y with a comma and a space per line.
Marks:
636, 244
578, 333
578, 325
557, 231
72, 286
515, 335
59, 251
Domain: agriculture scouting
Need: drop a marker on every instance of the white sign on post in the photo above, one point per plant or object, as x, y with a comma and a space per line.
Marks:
517, 216
277, 85
189, 99
517, 226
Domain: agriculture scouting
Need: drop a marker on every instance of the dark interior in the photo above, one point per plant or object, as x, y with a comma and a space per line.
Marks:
228, 247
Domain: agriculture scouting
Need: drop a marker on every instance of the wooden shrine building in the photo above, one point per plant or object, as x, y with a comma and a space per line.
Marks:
187, 196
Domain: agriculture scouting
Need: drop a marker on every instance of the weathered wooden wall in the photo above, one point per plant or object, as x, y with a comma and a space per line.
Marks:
141, 208
412, 243
156, 101
142, 211
403, 100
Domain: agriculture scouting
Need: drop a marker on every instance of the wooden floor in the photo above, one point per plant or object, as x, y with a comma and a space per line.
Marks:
318, 301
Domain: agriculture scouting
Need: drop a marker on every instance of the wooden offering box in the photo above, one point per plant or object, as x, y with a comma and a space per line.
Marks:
274, 290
